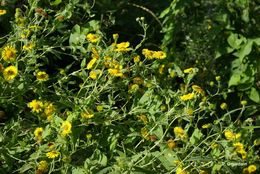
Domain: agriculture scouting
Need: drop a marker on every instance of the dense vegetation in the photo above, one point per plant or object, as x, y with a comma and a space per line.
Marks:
130, 86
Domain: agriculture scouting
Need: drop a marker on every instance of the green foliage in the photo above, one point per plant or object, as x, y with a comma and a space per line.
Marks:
77, 97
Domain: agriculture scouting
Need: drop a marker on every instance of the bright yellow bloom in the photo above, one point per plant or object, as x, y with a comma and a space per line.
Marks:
93, 37
38, 133
122, 47
230, 135
42, 76
187, 97
87, 114
238, 146
188, 70
52, 154
171, 144
36, 106
251, 168
115, 72
181, 171
94, 74
136, 59
42, 167
10, 73
66, 128
159, 55
2, 12
149, 54
179, 132
9, 53
29, 46
91, 63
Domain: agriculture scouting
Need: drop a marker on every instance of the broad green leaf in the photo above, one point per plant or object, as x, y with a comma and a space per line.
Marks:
196, 136
254, 95
234, 80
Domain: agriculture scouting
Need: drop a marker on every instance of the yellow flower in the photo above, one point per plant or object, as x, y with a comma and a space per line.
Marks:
251, 168
29, 46
35, 105
172, 74
230, 135
92, 37
148, 53
115, 72
91, 63
66, 128
49, 109
42, 76
42, 167
2, 12
171, 144
159, 54
179, 132
136, 59
9, 53
10, 73
52, 154
238, 146
87, 114
188, 70
181, 171
38, 133
94, 74
223, 106
187, 97
122, 47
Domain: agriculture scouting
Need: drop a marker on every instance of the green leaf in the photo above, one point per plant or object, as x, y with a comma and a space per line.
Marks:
196, 136
234, 80
254, 95
55, 2
234, 41
245, 50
